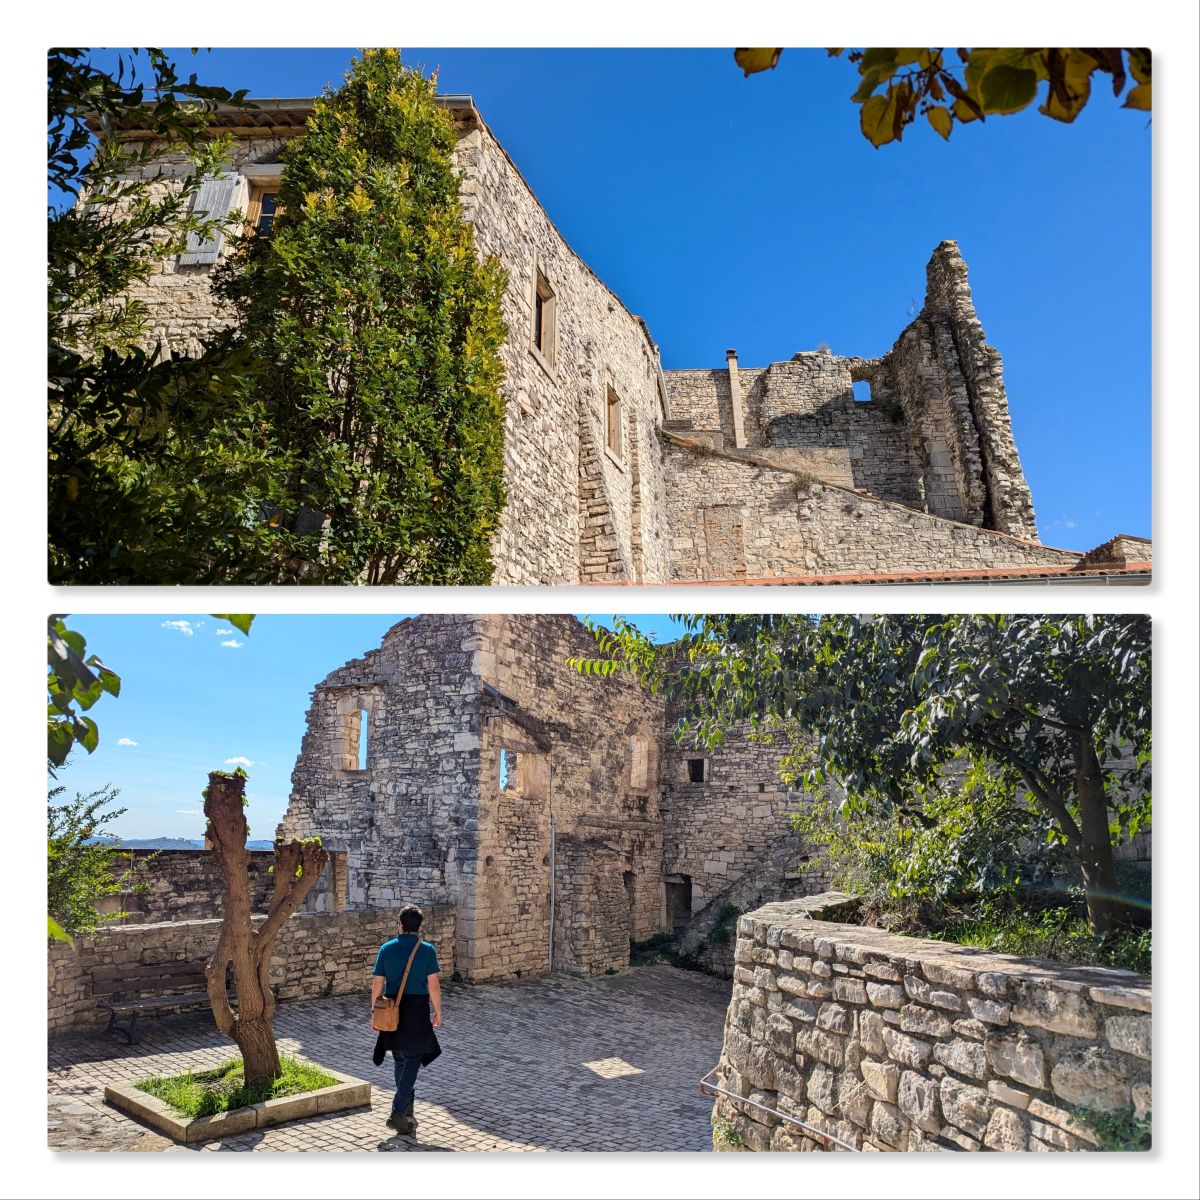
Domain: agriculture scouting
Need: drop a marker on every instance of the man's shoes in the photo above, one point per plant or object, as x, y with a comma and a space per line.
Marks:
405, 1126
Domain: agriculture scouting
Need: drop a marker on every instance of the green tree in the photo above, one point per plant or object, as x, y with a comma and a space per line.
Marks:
896, 86
150, 468
884, 705
81, 869
378, 331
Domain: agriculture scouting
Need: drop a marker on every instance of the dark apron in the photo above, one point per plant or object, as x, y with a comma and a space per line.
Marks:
413, 1035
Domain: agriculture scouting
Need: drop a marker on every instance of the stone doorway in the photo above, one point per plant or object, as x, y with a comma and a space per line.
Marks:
679, 902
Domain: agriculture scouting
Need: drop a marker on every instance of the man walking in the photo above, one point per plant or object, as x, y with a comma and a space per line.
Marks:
406, 970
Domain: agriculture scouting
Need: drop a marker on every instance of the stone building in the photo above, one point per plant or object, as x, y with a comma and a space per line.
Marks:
464, 763
620, 471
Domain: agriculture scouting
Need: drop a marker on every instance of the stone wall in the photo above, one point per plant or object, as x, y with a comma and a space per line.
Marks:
316, 954
736, 516
407, 821
572, 503
588, 758
182, 885
896, 1043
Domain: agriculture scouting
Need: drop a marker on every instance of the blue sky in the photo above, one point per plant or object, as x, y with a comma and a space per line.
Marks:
197, 696
751, 213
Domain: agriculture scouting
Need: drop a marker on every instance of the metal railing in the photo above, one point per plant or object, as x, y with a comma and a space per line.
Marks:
827, 1140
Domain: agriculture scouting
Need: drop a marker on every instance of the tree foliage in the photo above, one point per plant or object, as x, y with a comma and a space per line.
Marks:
882, 706
898, 85
80, 869
149, 466
377, 330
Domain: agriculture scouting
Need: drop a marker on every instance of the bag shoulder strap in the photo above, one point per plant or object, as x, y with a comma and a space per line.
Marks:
407, 968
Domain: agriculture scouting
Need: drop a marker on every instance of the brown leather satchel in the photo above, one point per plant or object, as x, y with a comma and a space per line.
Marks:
385, 1012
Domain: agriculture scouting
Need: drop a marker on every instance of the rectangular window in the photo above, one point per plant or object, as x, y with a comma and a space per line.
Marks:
545, 318
263, 207
508, 770
614, 424
364, 720
695, 770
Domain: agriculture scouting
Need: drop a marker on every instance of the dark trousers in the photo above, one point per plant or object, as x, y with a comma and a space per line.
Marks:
407, 1066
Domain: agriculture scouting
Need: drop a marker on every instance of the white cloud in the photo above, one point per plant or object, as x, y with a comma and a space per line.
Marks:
240, 761
184, 627
233, 644
126, 742
190, 812
222, 632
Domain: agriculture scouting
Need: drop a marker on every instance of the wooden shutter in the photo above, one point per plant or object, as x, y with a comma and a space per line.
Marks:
212, 200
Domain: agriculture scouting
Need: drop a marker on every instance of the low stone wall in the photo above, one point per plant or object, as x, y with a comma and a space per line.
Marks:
317, 954
896, 1043
183, 885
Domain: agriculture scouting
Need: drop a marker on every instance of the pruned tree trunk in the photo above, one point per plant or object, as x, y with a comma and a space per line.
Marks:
1104, 905
298, 866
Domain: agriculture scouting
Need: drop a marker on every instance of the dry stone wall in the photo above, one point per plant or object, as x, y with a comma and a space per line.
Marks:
317, 954
895, 1043
183, 885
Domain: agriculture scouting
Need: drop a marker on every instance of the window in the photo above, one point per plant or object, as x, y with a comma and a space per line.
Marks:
545, 318
862, 390
614, 424
508, 770
696, 772
264, 204
364, 720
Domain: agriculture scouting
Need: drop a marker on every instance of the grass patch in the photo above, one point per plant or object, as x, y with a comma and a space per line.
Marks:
1059, 934
204, 1093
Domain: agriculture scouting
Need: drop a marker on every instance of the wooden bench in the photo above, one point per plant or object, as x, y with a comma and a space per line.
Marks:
148, 990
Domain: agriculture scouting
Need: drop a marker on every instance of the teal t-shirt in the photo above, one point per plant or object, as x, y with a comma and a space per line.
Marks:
392, 958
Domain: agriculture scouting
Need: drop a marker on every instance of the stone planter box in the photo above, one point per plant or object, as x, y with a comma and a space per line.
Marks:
348, 1092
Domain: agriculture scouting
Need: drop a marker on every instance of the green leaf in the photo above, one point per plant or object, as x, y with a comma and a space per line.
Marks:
56, 931
240, 621
1005, 89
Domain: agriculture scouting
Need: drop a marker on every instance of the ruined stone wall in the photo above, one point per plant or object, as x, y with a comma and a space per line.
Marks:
715, 829
555, 426
587, 754
182, 885
407, 822
896, 1043
317, 954
739, 518
960, 346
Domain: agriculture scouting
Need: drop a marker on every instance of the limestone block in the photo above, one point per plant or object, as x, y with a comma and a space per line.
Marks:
1054, 1009
1131, 1034
916, 1019
917, 1099
870, 1032
834, 1018
881, 1079
1006, 1132
966, 1058
989, 1011
969, 1108
817, 1044
1093, 1076
911, 1051
822, 1088
1019, 1058
886, 1126
885, 995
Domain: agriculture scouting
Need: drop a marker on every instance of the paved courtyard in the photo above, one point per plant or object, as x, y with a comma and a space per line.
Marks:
545, 1064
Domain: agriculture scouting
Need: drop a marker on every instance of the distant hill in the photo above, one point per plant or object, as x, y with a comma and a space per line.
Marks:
170, 843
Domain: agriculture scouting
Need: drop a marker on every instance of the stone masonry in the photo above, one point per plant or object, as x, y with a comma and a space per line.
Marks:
554, 811
619, 471
896, 1043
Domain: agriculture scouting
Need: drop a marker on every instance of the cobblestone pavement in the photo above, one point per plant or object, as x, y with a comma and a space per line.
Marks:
553, 1063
